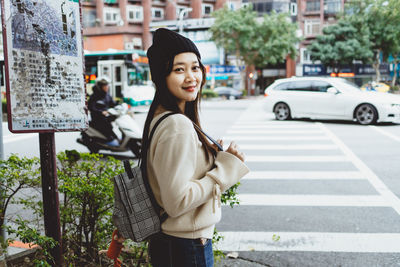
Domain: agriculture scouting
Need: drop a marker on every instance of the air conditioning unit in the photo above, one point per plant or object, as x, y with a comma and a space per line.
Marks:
129, 46
137, 42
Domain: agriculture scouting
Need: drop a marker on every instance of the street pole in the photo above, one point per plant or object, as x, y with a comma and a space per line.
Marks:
181, 14
50, 193
2, 230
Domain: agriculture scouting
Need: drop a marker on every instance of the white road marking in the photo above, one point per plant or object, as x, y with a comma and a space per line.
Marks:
310, 241
14, 138
251, 158
266, 138
288, 147
394, 137
312, 200
304, 175
259, 131
375, 181
263, 126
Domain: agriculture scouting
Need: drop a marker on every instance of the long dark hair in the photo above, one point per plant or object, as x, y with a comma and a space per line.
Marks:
169, 102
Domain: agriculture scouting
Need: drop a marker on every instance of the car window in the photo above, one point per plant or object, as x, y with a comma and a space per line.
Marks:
300, 86
282, 86
320, 86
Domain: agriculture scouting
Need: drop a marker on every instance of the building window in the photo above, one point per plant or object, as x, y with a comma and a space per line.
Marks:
332, 6
88, 18
293, 9
134, 13
231, 6
305, 56
263, 8
111, 15
157, 13
312, 27
313, 5
245, 5
207, 9
280, 6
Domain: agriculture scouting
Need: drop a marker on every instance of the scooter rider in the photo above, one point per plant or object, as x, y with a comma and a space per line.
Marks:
99, 102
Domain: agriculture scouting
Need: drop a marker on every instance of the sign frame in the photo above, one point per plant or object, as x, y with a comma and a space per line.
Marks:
61, 114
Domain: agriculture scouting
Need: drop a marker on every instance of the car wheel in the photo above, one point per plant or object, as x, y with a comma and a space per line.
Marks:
366, 114
282, 112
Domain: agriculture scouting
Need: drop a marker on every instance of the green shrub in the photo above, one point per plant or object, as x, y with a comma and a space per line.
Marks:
86, 202
3, 105
28, 234
16, 174
395, 88
208, 93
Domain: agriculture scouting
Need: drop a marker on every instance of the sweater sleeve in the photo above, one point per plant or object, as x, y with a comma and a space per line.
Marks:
174, 165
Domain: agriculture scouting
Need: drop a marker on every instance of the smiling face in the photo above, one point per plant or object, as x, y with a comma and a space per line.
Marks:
185, 79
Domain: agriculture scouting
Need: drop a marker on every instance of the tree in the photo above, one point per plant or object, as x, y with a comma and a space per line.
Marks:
393, 15
340, 44
381, 20
256, 41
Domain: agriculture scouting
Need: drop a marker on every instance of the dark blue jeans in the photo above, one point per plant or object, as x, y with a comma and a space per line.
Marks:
170, 251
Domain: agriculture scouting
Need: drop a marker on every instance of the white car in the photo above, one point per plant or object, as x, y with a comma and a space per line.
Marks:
329, 98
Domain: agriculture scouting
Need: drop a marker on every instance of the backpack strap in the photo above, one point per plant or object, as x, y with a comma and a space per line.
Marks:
143, 167
209, 137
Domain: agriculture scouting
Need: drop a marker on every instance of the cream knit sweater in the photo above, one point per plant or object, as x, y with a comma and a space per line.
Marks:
184, 183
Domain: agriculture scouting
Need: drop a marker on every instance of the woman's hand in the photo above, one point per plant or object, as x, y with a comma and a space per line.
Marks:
234, 150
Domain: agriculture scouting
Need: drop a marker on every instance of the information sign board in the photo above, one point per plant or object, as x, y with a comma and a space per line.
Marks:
44, 65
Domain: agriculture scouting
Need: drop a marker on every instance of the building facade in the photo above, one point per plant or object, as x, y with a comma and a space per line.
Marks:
313, 15
128, 24
125, 24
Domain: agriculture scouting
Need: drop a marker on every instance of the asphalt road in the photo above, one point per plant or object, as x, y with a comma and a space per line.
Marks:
320, 193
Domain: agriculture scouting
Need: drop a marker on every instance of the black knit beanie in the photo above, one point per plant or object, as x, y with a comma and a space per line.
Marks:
166, 45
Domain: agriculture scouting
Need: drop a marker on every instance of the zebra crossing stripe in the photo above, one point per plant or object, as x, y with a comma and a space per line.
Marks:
274, 138
312, 200
375, 181
278, 126
249, 131
394, 137
310, 241
250, 158
304, 175
288, 147
14, 138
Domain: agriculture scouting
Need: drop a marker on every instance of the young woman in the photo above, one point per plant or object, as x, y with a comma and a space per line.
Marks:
186, 172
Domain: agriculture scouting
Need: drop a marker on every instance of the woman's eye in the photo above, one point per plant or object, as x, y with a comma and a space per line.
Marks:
196, 68
178, 69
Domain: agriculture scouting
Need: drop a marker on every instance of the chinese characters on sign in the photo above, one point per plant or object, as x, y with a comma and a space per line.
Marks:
44, 62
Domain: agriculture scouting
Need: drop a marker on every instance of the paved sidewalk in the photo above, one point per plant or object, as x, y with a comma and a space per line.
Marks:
239, 263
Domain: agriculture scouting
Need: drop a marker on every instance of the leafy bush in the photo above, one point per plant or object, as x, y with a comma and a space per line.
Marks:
86, 202
16, 174
208, 93
4, 105
395, 88
27, 234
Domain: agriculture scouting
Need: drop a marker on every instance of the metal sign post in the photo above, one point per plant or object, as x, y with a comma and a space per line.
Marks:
45, 85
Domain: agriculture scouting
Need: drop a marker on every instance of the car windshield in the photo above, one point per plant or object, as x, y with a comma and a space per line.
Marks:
346, 85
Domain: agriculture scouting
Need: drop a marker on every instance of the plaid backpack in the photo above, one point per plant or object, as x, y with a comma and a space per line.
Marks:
137, 214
